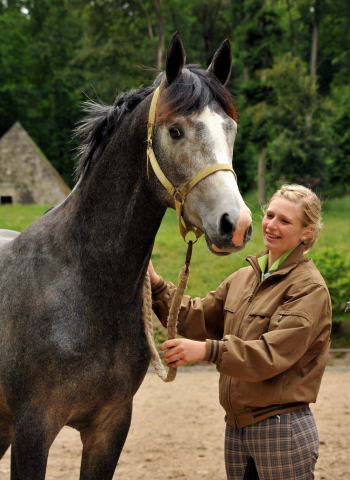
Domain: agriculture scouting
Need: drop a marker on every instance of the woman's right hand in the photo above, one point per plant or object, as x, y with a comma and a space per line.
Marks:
153, 275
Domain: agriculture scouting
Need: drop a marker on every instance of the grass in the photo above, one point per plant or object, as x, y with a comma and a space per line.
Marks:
18, 217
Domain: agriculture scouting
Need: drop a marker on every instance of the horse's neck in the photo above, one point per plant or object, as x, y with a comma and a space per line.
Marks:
115, 216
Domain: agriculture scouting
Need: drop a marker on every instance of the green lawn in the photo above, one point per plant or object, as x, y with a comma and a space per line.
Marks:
18, 217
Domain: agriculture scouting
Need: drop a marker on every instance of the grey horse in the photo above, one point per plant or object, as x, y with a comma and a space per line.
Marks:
72, 345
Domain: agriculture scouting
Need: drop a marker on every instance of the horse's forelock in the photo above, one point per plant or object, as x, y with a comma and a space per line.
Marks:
192, 90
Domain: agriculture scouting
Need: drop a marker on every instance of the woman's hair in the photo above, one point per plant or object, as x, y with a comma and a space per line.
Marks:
310, 205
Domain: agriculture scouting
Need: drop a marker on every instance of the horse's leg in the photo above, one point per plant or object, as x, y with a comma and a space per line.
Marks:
103, 441
5, 438
32, 438
5, 428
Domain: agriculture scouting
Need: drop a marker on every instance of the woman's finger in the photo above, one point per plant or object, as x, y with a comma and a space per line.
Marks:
170, 355
169, 344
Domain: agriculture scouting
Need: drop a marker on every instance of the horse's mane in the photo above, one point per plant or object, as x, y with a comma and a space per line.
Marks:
192, 90
96, 128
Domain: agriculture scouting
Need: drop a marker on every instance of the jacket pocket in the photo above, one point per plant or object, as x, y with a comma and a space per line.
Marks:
290, 318
254, 325
230, 325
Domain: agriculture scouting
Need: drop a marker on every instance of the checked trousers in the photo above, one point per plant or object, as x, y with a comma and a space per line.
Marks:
282, 447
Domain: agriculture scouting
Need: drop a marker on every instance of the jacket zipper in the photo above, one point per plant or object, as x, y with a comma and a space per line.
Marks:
252, 295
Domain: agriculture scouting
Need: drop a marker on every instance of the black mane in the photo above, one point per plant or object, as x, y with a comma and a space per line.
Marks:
95, 130
192, 90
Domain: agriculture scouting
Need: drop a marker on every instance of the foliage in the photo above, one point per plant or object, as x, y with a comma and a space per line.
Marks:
56, 53
339, 125
292, 121
335, 268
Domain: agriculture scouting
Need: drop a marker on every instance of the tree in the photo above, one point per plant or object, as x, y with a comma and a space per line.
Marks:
16, 86
259, 32
297, 150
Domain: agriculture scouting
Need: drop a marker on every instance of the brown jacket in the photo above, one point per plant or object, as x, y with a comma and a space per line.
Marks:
269, 339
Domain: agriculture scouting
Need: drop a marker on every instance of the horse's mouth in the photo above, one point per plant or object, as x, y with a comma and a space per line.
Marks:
223, 249
226, 246
222, 252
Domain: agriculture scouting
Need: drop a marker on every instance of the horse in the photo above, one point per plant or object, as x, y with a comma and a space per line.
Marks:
73, 349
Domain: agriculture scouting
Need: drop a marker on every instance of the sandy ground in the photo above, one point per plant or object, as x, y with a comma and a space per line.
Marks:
178, 428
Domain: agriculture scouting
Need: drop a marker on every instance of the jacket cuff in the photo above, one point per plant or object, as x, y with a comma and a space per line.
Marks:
158, 287
214, 350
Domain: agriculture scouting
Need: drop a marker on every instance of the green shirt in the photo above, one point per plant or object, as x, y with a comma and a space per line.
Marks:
263, 261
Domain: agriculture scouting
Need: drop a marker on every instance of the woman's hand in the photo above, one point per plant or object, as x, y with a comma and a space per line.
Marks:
180, 351
153, 275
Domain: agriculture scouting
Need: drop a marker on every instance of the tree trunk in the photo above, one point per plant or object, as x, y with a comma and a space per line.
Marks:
313, 55
160, 31
262, 177
314, 48
148, 19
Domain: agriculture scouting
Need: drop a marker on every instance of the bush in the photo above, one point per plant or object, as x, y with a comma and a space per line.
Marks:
335, 269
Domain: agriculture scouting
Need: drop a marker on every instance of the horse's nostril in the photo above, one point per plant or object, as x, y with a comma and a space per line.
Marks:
225, 224
248, 233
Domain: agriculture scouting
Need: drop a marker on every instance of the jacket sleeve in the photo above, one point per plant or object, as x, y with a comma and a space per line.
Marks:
301, 323
199, 319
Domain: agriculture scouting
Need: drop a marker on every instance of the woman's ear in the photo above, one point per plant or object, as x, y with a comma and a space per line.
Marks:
308, 232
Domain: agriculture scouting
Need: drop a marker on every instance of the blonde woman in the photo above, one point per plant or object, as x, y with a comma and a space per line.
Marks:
267, 329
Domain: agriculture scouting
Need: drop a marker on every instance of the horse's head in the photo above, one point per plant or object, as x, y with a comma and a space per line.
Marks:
195, 128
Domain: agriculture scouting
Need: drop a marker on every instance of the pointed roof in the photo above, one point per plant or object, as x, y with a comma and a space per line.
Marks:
24, 165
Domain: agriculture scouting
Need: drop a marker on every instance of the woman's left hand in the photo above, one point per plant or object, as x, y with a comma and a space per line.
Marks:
179, 351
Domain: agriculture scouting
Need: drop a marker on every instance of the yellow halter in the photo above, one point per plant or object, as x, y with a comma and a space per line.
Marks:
180, 193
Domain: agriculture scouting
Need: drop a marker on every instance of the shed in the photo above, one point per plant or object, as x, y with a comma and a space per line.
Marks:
26, 175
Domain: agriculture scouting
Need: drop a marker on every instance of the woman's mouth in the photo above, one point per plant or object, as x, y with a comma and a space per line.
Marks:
269, 236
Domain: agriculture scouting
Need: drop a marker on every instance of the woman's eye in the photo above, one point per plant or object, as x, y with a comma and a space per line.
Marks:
175, 132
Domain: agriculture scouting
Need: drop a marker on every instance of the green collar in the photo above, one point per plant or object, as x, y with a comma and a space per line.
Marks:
264, 260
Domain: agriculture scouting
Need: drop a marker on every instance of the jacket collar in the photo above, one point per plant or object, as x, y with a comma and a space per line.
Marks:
294, 258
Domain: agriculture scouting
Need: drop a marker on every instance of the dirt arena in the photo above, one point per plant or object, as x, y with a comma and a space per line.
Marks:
177, 431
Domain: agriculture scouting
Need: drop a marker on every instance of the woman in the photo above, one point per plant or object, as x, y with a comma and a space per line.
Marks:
267, 329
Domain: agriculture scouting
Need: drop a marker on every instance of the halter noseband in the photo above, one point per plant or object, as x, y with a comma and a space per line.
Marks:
180, 193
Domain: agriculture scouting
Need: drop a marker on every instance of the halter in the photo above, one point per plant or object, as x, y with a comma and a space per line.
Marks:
180, 193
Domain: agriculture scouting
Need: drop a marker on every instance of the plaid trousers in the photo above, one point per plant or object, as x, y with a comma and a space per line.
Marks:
283, 447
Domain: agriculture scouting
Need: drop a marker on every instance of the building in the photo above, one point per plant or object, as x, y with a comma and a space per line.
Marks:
26, 175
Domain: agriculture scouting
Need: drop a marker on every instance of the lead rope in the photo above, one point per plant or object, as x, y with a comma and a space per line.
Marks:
166, 376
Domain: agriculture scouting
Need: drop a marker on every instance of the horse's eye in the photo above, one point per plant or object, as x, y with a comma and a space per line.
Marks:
176, 132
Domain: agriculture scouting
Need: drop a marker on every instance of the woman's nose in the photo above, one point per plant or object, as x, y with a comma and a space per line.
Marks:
271, 223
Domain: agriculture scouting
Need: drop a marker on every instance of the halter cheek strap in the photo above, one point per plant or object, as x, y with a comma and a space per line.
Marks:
180, 193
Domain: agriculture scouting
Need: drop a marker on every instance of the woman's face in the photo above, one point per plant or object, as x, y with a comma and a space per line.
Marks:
282, 226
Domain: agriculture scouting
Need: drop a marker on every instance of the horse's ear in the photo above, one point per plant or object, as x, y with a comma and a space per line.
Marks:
221, 64
175, 59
